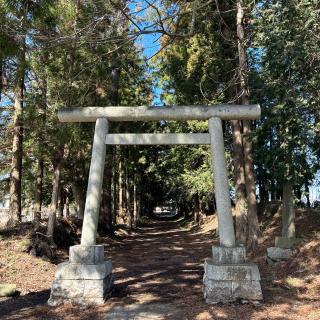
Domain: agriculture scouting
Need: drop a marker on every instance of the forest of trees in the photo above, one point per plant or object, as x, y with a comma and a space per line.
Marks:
78, 53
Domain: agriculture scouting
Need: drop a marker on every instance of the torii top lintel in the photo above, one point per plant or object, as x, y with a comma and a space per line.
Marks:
145, 113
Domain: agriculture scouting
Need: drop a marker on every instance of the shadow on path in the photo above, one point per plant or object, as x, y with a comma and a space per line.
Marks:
158, 272
23, 303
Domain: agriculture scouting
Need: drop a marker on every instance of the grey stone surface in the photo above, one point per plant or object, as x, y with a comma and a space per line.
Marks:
145, 113
221, 183
86, 254
277, 254
83, 283
227, 255
270, 262
97, 288
230, 282
222, 291
286, 243
67, 288
157, 138
217, 291
237, 272
83, 271
247, 290
92, 206
84, 292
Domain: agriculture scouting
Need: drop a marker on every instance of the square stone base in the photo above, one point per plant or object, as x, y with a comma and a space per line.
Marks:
275, 254
86, 279
229, 277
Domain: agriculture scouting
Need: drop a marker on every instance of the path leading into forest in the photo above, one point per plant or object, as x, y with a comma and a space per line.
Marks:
158, 272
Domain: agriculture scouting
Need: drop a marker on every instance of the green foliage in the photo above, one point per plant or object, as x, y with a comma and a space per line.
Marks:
69, 64
285, 138
73, 47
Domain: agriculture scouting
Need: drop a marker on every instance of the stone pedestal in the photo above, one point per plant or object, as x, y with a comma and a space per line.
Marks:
85, 279
282, 249
275, 254
229, 277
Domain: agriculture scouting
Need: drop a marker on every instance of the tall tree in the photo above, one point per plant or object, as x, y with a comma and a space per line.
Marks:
22, 10
285, 137
250, 184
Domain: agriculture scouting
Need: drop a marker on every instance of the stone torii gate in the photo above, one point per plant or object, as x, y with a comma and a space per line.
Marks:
87, 277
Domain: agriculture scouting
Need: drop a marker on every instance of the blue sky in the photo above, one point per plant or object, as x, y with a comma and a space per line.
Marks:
149, 43
150, 46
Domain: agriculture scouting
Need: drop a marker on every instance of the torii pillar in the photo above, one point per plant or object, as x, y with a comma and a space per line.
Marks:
87, 277
228, 276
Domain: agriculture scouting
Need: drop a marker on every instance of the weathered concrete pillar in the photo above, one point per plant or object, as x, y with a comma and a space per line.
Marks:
288, 213
87, 277
228, 276
91, 212
283, 245
221, 184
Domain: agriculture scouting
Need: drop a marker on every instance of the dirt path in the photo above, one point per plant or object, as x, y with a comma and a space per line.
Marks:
158, 271
158, 274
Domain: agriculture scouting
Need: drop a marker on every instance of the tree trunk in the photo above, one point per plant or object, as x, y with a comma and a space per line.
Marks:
253, 223
128, 200
38, 194
115, 187
273, 195
120, 184
105, 215
106, 208
113, 95
240, 204
67, 203
263, 192
196, 215
196, 210
60, 202
135, 201
79, 198
17, 144
298, 195
41, 134
288, 213
114, 85
139, 205
306, 186
57, 166
250, 185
